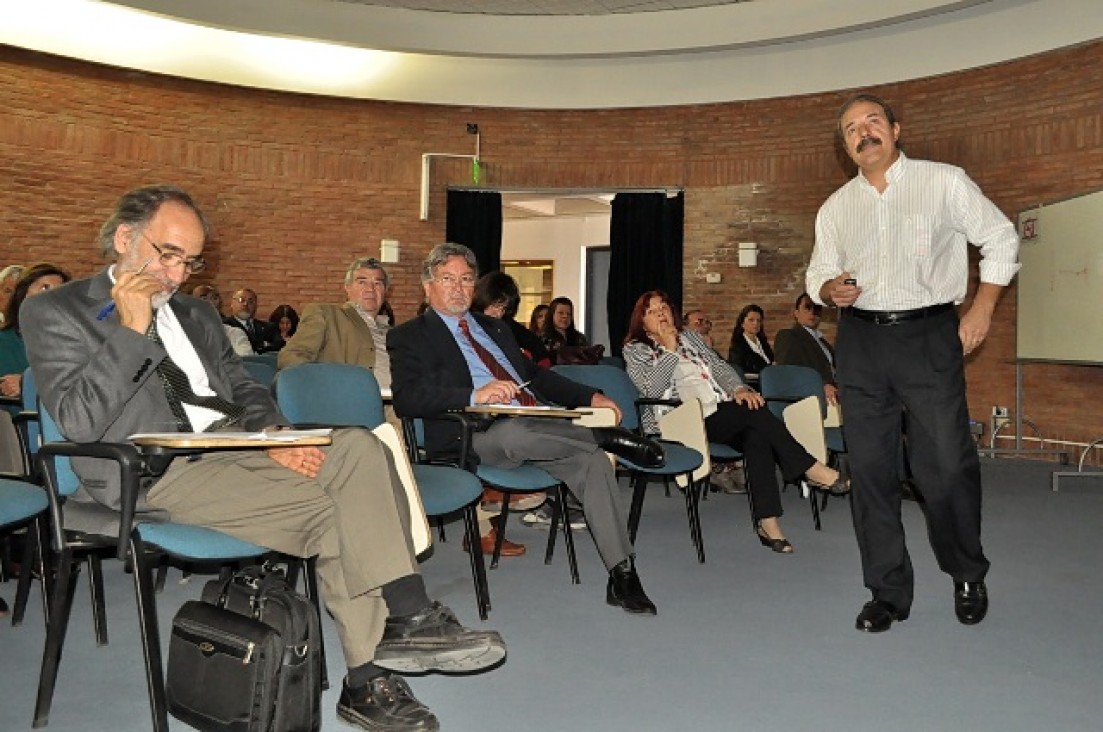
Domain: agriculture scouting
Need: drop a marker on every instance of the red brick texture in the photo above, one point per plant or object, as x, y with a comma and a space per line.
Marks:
297, 185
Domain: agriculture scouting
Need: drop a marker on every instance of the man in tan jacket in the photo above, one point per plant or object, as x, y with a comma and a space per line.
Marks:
349, 333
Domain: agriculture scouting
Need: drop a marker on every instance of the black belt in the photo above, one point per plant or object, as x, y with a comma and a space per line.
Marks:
894, 317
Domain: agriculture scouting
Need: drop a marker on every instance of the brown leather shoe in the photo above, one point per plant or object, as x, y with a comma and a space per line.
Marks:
509, 548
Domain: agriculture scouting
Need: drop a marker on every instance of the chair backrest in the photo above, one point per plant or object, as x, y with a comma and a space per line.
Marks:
330, 393
261, 371
271, 359
611, 361
613, 382
67, 481
784, 385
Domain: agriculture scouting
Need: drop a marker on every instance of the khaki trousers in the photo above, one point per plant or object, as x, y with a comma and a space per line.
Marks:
353, 517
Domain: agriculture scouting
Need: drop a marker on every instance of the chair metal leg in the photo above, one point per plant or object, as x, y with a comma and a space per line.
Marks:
144, 591
557, 514
65, 571
478, 565
162, 577
639, 490
310, 582
95, 590
440, 528
693, 510
568, 535
29, 563
815, 509
499, 534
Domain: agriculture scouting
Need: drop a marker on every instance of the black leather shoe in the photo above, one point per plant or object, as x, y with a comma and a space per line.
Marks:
433, 640
632, 447
385, 703
625, 590
877, 616
970, 602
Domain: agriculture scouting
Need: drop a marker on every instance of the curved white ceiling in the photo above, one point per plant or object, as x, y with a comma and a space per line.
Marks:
728, 52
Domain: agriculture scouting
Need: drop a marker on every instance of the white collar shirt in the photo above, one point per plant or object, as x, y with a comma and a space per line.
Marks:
907, 247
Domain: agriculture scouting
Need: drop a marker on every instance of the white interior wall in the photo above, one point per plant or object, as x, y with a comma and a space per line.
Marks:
560, 239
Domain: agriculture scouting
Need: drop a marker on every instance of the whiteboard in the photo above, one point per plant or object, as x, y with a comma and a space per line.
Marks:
1060, 311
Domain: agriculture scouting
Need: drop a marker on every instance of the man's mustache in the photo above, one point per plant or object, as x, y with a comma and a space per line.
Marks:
867, 141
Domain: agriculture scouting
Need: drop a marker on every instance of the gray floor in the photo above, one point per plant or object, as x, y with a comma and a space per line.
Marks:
751, 640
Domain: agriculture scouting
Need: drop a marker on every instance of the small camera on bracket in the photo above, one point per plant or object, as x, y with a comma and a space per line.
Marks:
472, 128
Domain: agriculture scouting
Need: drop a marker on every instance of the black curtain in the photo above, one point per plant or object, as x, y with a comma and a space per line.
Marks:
475, 220
645, 238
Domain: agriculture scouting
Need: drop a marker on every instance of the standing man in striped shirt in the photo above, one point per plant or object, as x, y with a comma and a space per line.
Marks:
891, 250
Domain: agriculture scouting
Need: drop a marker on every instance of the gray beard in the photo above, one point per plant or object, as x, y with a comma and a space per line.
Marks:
160, 299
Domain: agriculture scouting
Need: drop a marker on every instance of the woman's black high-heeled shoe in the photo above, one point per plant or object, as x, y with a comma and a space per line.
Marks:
840, 487
781, 546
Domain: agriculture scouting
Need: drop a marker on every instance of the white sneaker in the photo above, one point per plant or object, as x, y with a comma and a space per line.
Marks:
541, 518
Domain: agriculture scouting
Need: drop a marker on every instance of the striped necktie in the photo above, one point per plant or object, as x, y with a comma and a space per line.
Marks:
178, 391
523, 397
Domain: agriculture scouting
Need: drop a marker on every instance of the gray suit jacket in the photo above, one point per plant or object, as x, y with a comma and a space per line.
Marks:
99, 381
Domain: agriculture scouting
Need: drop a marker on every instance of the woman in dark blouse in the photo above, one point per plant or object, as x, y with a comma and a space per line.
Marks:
750, 350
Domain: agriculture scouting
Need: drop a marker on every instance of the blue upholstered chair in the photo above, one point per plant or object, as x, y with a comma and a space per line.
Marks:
348, 396
23, 505
509, 482
262, 371
615, 383
144, 543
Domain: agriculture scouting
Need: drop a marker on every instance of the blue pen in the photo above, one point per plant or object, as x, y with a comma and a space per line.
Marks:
110, 307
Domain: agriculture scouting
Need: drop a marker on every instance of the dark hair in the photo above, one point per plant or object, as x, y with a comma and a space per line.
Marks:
549, 322
533, 325
31, 274
386, 309
816, 307
285, 311
493, 288
136, 208
747, 310
890, 116
636, 331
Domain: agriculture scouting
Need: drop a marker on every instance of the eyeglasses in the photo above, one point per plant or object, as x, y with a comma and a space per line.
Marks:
175, 259
449, 281
243, 300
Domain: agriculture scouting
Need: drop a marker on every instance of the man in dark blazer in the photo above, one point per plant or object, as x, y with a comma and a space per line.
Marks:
263, 336
103, 352
804, 345
437, 367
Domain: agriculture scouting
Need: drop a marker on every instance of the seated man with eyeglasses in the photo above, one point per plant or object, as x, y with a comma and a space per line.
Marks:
263, 336
450, 358
125, 352
697, 321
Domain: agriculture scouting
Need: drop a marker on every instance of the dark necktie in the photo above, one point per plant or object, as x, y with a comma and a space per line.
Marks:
179, 392
523, 397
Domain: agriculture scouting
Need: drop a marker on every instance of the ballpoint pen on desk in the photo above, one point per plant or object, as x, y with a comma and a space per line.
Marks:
110, 307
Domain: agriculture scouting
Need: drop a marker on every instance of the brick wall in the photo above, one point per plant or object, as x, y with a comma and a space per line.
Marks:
297, 185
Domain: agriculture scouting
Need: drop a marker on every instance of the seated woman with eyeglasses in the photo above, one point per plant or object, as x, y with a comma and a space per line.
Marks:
666, 362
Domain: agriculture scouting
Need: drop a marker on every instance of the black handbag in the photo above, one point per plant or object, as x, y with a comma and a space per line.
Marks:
246, 658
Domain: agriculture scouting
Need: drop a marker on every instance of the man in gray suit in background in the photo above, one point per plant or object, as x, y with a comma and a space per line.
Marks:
125, 352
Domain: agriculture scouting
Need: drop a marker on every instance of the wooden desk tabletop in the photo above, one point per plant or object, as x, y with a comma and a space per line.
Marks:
234, 440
